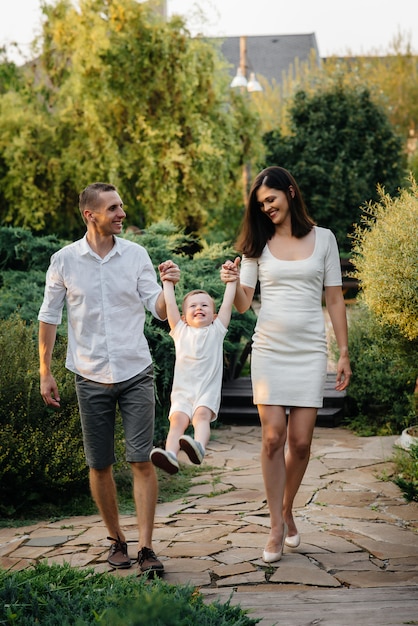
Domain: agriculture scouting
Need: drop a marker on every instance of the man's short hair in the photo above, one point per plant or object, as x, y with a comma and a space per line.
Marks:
90, 196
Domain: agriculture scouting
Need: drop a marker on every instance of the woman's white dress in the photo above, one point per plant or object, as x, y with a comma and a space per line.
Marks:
289, 352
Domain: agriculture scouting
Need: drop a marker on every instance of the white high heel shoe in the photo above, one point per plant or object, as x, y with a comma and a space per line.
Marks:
272, 557
293, 541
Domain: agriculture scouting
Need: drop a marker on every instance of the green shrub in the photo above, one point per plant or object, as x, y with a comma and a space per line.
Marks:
22, 293
406, 472
40, 453
21, 250
386, 259
56, 594
384, 338
380, 398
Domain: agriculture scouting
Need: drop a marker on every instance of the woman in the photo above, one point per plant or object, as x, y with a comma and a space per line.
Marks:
294, 260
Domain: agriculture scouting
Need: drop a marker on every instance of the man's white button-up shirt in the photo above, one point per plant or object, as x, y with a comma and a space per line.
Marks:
106, 301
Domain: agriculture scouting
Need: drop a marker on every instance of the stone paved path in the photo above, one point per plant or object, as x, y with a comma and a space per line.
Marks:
359, 536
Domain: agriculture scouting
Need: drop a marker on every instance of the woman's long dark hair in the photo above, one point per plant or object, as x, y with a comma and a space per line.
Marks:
257, 228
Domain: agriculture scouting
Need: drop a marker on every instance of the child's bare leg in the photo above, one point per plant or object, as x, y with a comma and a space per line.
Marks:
179, 422
201, 423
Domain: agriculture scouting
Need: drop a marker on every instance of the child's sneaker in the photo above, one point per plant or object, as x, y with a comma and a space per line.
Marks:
192, 448
164, 460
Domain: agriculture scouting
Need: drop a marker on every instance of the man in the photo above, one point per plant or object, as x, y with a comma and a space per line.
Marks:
107, 282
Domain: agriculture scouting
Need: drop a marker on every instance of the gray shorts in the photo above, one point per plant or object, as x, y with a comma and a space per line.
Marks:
97, 404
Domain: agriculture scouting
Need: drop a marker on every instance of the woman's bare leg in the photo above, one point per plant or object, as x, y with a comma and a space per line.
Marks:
299, 438
273, 425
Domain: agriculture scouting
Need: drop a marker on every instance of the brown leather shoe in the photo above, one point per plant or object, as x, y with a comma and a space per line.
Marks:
148, 563
118, 554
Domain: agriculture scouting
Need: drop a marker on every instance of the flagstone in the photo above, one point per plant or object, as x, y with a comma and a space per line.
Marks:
167, 532
380, 549
331, 541
8, 563
232, 570
360, 477
29, 552
342, 461
247, 481
363, 513
77, 559
377, 578
188, 548
167, 509
382, 531
219, 446
339, 497
247, 540
234, 464
298, 569
196, 510
208, 489
303, 498
335, 562
231, 497
204, 535
68, 550
119, 573
96, 534
198, 579
8, 534
7, 548
408, 563
255, 577
259, 520
192, 565
238, 555
407, 512
103, 568
239, 507
195, 516
252, 528
47, 541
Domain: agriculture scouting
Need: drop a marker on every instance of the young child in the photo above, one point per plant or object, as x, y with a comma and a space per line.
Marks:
198, 336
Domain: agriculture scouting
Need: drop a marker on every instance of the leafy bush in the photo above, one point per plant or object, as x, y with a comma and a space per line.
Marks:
406, 462
56, 594
406, 472
386, 259
41, 455
24, 260
380, 398
20, 250
385, 338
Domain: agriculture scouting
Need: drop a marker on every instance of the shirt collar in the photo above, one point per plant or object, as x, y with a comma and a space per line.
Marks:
85, 248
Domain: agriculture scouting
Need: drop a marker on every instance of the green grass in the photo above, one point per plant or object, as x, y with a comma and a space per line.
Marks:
61, 594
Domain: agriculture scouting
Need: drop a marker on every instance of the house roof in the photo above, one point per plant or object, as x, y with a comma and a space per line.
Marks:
270, 55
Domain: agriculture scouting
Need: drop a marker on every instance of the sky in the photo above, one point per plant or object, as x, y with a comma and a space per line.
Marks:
341, 26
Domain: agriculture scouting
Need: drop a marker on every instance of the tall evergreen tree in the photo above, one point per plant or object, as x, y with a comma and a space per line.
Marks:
340, 147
